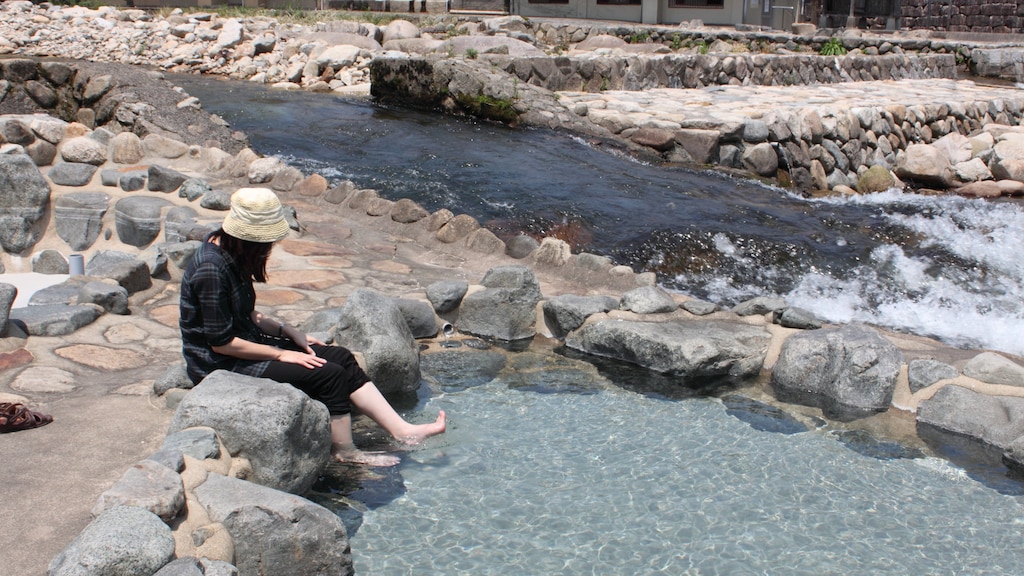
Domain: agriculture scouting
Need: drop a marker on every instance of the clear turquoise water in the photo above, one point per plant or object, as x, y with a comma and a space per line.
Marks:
548, 470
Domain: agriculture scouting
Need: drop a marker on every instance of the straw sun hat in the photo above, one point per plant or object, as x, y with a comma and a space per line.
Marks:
256, 215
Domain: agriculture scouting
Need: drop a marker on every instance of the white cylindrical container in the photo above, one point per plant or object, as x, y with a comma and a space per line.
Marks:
76, 265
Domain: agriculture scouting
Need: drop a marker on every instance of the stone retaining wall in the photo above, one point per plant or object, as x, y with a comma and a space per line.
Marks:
963, 15
597, 72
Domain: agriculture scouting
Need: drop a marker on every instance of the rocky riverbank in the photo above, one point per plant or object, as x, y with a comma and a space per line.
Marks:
884, 111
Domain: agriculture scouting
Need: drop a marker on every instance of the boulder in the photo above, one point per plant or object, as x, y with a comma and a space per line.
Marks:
110, 296
24, 195
55, 319
995, 369
122, 540
8, 293
922, 373
759, 306
1007, 162
147, 485
126, 148
161, 179
648, 300
446, 295
373, 324
419, 316
50, 262
567, 312
283, 433
996, 420
125, 269
71, 173
137, 219
521, 246
78, 217
846, 370
682, 347
925, 165
199, 442
793, 317
275, 532
506, 308
400, 30
406, 211
84, 149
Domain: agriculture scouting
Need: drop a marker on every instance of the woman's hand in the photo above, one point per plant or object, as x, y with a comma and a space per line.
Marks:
308, 360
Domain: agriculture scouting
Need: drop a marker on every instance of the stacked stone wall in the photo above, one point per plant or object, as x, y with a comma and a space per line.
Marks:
963, 16
641, 72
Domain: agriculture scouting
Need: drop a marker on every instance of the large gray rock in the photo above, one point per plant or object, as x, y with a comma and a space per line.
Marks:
148, 485
507, 307
199, 442
275, 532
71, 173
55, 319
122, 541
845, 370
996, 420
419, 316
925, 372
161, 179
926, 165
50, 262
283, 433
446, 295
138, 220
110, 296
648, 300
373, 324
684, 347
78, 217
124, 268
83, 149
24, 195
567, 312
8, 292
995, 369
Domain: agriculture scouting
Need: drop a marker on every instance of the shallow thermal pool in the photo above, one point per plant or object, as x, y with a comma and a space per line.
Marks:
550, 467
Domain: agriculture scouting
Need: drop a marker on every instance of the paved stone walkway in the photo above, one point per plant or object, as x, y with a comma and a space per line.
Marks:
715, 106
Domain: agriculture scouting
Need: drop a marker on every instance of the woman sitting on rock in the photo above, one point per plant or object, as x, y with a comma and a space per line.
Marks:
220, 329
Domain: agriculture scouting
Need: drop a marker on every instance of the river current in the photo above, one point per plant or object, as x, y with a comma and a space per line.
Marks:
946, 267
551, 466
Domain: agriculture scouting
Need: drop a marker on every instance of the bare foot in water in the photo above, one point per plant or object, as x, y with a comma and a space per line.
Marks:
354, 456
419, 432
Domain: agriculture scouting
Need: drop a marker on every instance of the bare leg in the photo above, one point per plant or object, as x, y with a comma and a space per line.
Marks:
372, 403
345, 450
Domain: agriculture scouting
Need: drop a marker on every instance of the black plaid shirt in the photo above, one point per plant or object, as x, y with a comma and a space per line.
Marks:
216, 307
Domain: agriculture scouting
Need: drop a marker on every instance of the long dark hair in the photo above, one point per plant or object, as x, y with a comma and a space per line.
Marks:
250, 257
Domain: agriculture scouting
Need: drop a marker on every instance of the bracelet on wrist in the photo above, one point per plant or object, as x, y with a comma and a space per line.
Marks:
280, 330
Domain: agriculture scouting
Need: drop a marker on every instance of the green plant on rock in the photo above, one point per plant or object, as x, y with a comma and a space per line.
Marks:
638, 37
471, 53
702, 47
833, 47
677, 42
489, 107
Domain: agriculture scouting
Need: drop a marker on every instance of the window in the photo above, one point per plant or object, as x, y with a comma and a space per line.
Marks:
696, 3
619, 2
547, 1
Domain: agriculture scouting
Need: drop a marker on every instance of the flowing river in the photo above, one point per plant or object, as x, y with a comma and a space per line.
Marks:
564, 471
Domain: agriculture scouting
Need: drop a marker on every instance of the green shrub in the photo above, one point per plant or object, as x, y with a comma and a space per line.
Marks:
832, 48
